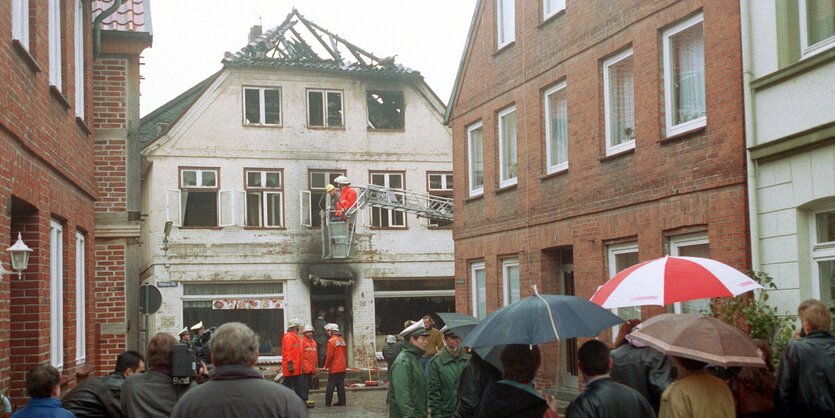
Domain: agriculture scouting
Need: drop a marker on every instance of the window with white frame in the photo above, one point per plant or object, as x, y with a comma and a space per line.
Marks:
817, 26
619, 102
262, 106
314, 199
684, 76
324, 109
199, 197
510, 281
264, 198
54, 27
507, 147
56, 294
620, 257
79, 58
691, 245
556, 128
439, 184
388, 218
20, 22
478, 278
552, 7
80, 299
506, 21
823, 255
475, 158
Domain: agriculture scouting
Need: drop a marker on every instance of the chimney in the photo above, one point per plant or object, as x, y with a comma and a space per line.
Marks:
254, 32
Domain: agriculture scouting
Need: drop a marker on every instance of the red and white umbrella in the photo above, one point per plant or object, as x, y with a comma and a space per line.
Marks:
667, 280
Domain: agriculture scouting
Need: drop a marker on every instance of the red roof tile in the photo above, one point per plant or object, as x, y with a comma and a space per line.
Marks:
132, 15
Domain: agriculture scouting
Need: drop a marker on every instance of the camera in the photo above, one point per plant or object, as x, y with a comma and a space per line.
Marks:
183, 364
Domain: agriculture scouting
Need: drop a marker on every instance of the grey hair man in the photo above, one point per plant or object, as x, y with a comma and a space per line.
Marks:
236, 388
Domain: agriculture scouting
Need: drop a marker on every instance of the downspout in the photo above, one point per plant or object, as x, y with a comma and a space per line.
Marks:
97, 26
750, 133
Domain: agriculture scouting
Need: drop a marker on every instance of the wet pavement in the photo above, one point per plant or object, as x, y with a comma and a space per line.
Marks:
361, 403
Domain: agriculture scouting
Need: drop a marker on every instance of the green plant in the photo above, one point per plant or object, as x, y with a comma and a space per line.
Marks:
751, 313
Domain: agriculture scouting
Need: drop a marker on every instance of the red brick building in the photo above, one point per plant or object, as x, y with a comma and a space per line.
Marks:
576, 159
50, 190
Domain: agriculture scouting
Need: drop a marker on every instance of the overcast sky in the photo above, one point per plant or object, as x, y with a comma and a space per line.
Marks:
190, 36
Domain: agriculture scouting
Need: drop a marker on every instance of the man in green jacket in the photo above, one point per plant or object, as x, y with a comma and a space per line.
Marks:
444, 371
407, 385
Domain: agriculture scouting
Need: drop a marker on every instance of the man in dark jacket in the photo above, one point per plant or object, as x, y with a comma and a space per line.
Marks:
642, 368
478, 375
603, 397
153, 394
515, 396
236, 389
444, 371
407, 386
101, 397
806, 377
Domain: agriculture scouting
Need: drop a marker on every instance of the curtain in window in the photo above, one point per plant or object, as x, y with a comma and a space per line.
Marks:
622, 102
820, 20
477, 158
558, 118
508, 23
509, 146
481, 293
688, 74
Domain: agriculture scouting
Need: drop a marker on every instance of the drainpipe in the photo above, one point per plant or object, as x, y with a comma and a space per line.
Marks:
750, 133
97, 26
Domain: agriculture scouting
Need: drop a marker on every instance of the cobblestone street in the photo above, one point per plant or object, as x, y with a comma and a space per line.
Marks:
361, 403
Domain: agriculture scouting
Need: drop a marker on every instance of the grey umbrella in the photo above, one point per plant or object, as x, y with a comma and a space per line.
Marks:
460, 324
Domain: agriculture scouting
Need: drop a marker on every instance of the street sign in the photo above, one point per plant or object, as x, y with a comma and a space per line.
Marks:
150, 299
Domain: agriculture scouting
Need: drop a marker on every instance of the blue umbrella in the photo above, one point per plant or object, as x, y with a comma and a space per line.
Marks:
540, 319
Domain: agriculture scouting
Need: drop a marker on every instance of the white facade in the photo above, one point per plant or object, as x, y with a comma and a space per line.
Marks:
277, 262
790, 129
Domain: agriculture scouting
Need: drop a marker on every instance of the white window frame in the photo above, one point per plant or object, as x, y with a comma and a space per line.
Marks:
611, 252
444, 186
308, 194
199, 176
474, 267
505, 36
262, 106
325, 118
474, 191
265, 192
80, 299
551, 166
54, 27
79, 58
807, 50
511, 180
821, 252
669, 101
558, 7
507, 287
20, 22
689, 240
628, 145
56, 294
388, 212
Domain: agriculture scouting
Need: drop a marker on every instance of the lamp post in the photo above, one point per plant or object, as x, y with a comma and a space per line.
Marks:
19, 253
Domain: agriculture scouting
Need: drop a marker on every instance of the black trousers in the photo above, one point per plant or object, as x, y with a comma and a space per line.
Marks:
336, 380
298, 384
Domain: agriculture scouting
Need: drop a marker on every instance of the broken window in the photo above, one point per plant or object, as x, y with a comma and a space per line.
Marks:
324, 108
385, 110
262, 106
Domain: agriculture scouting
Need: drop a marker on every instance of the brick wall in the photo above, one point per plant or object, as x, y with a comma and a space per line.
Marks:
664, 187
110, 175
109, 292
110, 93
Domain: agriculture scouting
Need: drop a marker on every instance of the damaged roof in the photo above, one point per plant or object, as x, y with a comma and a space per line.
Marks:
320, 49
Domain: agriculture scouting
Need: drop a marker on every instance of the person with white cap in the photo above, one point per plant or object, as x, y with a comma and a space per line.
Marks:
309, 360
336, 363
201, 342
291, 357
444, 372
347, 196
407, 386
185, 336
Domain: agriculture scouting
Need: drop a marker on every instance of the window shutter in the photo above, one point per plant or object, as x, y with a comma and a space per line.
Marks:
304, 208
172, 207
239, 207
225, 207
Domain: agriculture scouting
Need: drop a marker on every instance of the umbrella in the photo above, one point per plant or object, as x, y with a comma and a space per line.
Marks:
672, 279
460, 324
539, 319
700, 338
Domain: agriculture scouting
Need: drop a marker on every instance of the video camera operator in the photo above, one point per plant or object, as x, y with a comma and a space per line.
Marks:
200, 343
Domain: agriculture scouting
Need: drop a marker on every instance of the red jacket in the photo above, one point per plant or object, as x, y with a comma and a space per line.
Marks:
291, 351
347, 197
309, 356
336, 361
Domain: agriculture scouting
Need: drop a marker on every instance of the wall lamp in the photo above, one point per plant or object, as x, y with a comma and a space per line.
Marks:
166, 231
19, 253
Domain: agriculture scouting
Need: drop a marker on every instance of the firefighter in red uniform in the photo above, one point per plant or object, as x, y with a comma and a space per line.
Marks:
347, 196
309, 359
291, 358
336, 363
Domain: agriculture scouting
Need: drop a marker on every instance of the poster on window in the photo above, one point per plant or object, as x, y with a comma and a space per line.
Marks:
248, 304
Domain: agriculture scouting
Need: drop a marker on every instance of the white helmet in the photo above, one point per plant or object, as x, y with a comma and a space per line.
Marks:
332, 327
295, 322
308, 328
342, 180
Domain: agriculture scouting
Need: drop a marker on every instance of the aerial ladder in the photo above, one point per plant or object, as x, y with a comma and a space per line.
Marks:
338, 232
